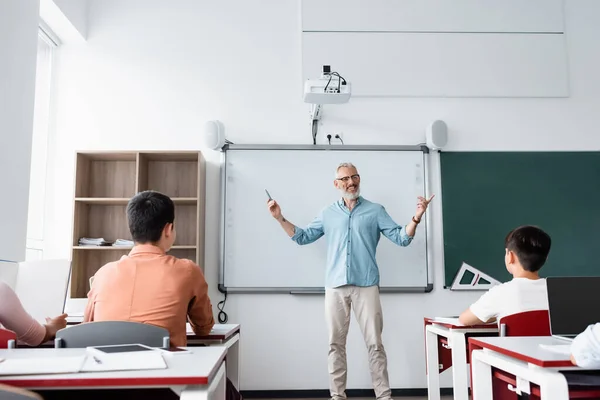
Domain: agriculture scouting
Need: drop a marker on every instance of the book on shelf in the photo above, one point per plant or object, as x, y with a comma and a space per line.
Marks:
102, 242
123, 243
93, 242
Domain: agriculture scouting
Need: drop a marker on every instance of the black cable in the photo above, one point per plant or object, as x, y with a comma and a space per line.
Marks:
328, 82
329, 138
222, 316
315, 127
339, 76
339, 80
339, 138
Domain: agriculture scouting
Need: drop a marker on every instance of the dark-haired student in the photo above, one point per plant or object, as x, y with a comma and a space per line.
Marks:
149, 286
527, 249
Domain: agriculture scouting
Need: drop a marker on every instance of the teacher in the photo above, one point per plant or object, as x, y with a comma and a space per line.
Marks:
353, 226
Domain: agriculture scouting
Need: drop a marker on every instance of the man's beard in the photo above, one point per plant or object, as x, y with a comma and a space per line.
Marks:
350, 196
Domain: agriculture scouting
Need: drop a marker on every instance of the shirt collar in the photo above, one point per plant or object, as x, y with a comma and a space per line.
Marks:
342, 204
145, 248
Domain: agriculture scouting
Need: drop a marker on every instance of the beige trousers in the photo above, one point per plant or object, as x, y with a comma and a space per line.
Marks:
367, 311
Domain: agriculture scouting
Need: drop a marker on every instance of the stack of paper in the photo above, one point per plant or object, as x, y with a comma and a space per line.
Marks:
93, 242
123, 243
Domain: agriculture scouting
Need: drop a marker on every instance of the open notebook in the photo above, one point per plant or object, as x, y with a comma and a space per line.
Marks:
75, 364
41, 365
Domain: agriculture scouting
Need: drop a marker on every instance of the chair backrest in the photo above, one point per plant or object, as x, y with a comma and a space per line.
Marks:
528, 323
8, 339
14, 393
106, 333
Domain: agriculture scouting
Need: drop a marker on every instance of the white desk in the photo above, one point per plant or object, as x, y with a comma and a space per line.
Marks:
524, 358
227, 335
196, 376
456, 341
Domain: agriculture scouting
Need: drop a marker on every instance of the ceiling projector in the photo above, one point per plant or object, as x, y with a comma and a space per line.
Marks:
330, 88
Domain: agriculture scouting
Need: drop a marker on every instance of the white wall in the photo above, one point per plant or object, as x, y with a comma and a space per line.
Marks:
18, 44
76, 12
153, 71
67, 19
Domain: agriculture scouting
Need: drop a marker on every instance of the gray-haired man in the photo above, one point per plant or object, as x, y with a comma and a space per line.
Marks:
353, 226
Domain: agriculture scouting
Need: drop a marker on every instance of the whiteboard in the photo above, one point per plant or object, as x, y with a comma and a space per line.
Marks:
399, 64
257, 255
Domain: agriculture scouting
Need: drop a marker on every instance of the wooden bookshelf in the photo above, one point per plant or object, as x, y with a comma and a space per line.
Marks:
104, 184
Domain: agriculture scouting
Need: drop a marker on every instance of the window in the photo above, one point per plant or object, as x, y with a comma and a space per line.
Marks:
39, 145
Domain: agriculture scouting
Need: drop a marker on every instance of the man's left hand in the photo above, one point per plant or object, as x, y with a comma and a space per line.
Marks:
422, 206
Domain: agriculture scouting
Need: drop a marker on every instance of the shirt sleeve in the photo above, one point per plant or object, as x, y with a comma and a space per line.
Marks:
88, 313
311, 233
14, 317
585, 348
200, 313
486, 307
391, 230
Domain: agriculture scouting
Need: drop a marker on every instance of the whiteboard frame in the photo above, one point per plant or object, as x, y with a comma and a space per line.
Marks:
315, 290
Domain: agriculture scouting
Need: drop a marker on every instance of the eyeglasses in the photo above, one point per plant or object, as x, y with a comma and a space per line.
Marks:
347, 178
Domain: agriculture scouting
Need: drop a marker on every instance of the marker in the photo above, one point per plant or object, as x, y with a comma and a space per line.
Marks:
270, 198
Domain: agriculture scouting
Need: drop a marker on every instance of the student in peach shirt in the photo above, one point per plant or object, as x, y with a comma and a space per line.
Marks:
149, 286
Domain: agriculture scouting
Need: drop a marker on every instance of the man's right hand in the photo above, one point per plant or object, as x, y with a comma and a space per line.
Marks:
274, 209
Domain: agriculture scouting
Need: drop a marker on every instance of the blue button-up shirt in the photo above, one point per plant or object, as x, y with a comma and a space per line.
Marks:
352, 238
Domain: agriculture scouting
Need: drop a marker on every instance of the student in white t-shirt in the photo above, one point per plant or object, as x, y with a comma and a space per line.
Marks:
527, 249
585, 349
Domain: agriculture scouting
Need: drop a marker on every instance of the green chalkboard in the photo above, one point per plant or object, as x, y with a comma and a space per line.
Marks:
486, 194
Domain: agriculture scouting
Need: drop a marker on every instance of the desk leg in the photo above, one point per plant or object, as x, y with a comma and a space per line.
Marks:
233, 362
482, 377
460, 375
433, 368
553, 386
214, 391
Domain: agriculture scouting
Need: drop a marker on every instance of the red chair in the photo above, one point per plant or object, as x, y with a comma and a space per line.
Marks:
8, 339
528, 323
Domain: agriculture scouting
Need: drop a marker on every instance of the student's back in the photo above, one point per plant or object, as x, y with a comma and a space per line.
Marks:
527, 249
149, 286
513, 297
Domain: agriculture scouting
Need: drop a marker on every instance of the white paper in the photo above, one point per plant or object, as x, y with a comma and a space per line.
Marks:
41, 365
558, 348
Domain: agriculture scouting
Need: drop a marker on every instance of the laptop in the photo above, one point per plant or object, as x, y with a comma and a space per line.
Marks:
42, 286
573, 305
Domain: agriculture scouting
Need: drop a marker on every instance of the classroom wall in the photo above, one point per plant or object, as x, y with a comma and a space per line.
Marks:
18, 44
65, 19
153, 71
76, 12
